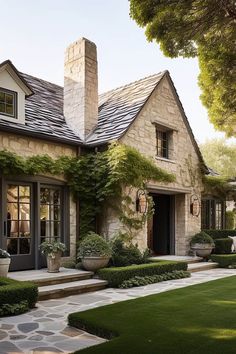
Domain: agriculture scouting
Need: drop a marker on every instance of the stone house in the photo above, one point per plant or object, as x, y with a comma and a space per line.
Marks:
38, 117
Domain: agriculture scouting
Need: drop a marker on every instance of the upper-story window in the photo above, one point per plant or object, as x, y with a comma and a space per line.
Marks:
162, 143
8, 103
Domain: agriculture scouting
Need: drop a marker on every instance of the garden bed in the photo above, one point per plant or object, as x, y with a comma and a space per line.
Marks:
16, 296
115, 276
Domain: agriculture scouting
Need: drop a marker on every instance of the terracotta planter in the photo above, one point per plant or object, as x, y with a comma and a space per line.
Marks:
95, 263
54, 262
202, 249
4, 266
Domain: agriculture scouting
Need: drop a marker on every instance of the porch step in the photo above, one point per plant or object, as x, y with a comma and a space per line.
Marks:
201, 266
187, 259
70, 288
43, 278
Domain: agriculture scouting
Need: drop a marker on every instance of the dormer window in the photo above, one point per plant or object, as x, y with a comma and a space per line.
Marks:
8, 103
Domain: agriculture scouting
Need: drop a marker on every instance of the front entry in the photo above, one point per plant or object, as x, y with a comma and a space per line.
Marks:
161, 225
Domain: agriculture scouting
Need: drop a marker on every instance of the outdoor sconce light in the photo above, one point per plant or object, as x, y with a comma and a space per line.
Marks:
194, 205
141, 201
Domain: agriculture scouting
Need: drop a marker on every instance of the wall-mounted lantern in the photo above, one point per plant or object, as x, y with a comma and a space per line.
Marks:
141, 201
195, 205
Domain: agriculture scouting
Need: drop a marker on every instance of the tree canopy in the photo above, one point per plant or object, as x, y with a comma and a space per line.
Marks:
203, 28
220, 156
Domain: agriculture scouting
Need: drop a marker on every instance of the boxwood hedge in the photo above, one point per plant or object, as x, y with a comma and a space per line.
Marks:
223, 245
216, 234
116, 275
224, 260
13, 292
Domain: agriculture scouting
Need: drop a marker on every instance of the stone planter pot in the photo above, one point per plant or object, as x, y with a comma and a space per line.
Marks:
95, 263
4, 266
54, 262
202, 249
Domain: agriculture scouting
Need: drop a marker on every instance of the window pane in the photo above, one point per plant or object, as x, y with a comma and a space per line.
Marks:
24, 228
2, 107
44, 196
9, 109
2, 96
24, 246
9, 99
24, 194
12, 193
12, 246
24, 211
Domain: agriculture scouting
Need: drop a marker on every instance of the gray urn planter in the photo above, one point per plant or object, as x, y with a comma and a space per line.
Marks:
4, 266
54, 262
202, 249
95, 263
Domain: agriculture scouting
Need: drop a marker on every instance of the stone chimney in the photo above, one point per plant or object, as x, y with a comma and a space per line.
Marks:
81, 87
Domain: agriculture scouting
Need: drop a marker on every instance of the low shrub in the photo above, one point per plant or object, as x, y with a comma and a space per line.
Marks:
224, 260
223, 245
230, 219
201, 237
215, 234
150, 279
93, 245
69, 264
116, 275
13, 292
14, 309
124, 255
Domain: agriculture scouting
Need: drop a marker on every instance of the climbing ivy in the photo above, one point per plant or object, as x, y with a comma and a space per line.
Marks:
96, 180
217, 185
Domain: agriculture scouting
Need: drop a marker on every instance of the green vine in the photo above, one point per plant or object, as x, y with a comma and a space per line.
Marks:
96, 180
217, 185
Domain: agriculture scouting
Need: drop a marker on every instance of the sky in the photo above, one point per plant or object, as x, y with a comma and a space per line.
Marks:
36, 34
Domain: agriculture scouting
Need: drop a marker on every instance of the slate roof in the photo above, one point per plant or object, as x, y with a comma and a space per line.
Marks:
119, 108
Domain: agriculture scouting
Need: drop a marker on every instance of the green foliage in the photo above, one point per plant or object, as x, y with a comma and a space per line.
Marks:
150, 279
220, 156
69, 264
201, 237
230, 219
216, 234
116, 275
94, 245
49, 248
96, 179
127, 254
14, 309
203, 28
223, 245
13, 290
217, 185
224, 260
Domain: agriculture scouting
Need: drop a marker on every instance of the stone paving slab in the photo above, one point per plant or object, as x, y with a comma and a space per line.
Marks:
44, 329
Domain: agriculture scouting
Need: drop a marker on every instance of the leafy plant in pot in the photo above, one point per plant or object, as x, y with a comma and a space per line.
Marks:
202, 244
5, 260
94, 252
53, 251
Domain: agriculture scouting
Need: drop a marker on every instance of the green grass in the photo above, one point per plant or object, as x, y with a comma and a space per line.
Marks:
199, 319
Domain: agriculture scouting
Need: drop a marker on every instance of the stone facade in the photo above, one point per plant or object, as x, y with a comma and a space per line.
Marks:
162, 109
81, 87
25, 147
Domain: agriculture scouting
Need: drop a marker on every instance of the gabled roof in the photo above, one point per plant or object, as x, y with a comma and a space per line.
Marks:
119, 108
11, 69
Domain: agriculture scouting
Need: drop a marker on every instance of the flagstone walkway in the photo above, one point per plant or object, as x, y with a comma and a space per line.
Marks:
45, 330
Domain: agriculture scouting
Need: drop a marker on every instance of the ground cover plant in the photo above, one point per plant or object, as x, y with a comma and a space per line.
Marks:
16, 296
193, 320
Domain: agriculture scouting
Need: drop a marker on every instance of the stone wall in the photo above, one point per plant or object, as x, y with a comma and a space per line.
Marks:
25, 147
162, 110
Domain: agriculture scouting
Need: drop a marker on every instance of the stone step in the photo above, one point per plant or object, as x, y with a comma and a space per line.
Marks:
43, 278
70, 288
201, 266
187, 259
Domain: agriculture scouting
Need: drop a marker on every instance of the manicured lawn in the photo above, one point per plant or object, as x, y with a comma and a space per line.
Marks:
199, 319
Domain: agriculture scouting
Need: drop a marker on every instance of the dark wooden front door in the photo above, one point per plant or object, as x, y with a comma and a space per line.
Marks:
18, 235
161, 226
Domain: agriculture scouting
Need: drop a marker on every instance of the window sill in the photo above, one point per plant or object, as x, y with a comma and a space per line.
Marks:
165, 160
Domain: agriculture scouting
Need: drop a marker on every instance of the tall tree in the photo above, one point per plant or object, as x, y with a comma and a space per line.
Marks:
220, 156
203, 28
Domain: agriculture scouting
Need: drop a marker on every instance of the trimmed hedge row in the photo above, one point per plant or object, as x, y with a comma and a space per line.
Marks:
224, 260
13, 292
116, 275
216, 234
223, 245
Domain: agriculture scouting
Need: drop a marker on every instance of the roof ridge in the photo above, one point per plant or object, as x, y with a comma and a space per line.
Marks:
38, 78
133, 82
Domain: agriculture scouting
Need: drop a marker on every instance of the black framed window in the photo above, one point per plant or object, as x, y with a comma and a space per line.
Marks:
8, 103
162, 143
212, 214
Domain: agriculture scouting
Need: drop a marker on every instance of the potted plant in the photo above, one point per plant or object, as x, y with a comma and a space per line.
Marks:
94, 252
5, 260
53, 251
202, 244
